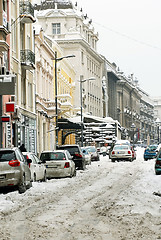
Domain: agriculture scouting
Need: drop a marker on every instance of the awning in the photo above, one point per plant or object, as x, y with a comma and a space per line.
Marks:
65, 123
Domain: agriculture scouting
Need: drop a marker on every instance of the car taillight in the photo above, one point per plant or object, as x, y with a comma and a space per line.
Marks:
67, 165
113, 152
129, 152
78, 155
14, 163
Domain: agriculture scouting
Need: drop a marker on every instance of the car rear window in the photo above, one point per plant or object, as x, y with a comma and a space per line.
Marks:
52, 156
121, 147
6, 156
72, 150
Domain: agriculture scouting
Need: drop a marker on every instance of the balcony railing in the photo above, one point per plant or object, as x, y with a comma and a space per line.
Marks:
27, 12
27, 59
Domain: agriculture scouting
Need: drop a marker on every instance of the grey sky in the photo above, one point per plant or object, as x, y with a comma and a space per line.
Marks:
130, 35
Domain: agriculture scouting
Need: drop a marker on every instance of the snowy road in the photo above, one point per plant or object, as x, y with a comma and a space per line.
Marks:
108, 201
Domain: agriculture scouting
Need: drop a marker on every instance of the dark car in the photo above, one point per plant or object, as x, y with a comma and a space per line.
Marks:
150, 152
14, 171
77, 154
158, 163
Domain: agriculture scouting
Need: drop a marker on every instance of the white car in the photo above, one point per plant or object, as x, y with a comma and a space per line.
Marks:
121, 152
58, 163
103, 151
38, 170
87, 155
14, 170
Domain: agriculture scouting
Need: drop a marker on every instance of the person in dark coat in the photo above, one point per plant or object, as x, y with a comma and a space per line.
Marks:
22, 148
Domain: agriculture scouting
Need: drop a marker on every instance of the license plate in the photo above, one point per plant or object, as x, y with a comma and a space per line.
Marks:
120, 152
56, 166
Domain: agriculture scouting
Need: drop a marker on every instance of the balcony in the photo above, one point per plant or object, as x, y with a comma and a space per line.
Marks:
27, 12
4, 31
27, 59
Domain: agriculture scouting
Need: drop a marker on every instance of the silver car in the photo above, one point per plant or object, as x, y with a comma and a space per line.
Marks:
58, 163
121, 152
14, 171
38, 170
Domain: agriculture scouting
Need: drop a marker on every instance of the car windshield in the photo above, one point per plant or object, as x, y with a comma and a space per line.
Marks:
7, 156
121, 147
52, 156
92, 149
152, 148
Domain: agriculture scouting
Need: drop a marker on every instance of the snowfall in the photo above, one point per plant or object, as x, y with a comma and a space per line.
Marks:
107, 201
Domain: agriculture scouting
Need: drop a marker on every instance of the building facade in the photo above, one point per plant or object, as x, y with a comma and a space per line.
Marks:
22, 59
73, 31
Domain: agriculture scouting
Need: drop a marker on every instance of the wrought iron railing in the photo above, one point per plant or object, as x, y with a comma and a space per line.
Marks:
27, 56
26, 8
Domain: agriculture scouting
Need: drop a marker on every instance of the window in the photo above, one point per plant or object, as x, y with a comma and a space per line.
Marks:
56, 28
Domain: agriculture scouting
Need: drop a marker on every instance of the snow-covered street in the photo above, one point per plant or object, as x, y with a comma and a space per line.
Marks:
107, 201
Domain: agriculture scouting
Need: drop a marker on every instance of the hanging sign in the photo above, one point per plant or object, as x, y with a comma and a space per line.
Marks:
5, 118
10, 107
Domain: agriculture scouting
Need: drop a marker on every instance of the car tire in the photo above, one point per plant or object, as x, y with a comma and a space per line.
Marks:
75, 172
29, 185
22, 186
44, 178
34, 178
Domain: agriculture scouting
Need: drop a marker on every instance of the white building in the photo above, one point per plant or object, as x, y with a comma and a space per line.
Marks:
73, 31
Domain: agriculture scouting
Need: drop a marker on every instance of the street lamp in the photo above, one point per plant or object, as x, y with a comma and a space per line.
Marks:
81, 81
56, 91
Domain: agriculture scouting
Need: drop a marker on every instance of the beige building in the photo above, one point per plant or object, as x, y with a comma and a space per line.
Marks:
45, 49
22, 64
74, 32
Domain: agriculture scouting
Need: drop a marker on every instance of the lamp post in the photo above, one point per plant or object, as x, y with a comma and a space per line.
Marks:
81, 99
56, 91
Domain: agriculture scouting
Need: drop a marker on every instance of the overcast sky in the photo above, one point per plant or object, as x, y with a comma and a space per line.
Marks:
130, 35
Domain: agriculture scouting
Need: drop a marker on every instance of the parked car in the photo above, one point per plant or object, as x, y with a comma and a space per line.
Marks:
150, 152
87, 155
58, 163
104, 150
76, 152
94, 154
121, 152
14, 171
38, 170
157, 166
